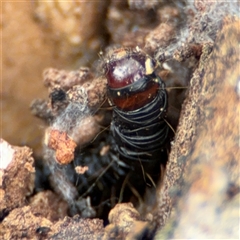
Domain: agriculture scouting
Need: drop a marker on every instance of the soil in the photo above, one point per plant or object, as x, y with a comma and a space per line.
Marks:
71, 184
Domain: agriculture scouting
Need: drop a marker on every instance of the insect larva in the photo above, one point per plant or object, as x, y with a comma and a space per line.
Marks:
139, 102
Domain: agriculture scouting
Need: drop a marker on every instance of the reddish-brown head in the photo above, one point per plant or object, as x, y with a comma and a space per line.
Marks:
131, 79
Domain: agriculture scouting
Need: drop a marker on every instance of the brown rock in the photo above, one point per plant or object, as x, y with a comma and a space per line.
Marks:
78, 228
22, 224
16, 176
49, 205
62, 144
126, 223
74, 26
202, 174
54, 78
